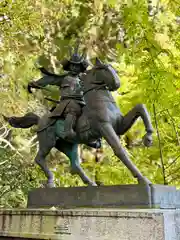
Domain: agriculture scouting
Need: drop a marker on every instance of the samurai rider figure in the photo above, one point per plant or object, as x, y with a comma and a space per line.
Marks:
72, 101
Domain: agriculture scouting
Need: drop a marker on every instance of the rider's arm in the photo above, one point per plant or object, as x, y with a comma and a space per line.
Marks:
46, 80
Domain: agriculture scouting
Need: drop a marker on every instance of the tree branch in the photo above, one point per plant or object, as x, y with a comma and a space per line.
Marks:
174, 126
160, 148
169, 165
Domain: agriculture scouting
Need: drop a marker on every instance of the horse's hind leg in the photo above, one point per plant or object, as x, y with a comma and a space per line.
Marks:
126, 122
71, 151
112, 139
46, 143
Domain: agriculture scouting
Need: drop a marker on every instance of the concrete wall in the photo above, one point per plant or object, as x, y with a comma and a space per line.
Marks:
91, 224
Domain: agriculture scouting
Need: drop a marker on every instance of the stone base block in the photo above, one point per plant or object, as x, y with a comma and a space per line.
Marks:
121, 196
90, 224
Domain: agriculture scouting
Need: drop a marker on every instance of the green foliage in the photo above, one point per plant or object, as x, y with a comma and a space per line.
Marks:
17, 177
143, 48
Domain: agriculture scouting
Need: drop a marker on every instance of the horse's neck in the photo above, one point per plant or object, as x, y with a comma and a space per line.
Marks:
99, 95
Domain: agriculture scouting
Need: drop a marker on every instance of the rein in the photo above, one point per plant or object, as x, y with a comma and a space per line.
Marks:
102, 86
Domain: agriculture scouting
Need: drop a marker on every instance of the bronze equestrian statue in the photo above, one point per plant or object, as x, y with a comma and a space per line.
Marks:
100, 118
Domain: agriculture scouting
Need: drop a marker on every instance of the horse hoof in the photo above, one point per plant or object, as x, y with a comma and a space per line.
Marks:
93, 184
147, 140
50, 185
99, 183
46, 184
144, 181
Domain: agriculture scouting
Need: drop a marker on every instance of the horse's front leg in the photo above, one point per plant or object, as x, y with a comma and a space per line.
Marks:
112, 139
126, 122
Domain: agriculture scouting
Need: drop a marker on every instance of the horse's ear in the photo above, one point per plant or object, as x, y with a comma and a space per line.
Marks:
98, 62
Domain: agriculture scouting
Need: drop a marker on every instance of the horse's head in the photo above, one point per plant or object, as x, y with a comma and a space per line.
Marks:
102, 74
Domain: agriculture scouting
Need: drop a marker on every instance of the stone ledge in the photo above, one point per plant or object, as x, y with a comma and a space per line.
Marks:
120, 196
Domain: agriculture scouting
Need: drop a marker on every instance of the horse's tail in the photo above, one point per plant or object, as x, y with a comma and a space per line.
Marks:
26, 121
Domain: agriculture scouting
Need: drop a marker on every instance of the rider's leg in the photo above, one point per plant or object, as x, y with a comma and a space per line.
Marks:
71, 113
69, 125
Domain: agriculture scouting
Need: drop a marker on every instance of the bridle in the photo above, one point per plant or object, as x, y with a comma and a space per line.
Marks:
98, 86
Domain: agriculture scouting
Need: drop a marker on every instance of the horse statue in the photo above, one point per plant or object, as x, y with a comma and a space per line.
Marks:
100, 118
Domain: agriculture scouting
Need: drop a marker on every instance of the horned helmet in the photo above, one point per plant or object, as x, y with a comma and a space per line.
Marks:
76, 59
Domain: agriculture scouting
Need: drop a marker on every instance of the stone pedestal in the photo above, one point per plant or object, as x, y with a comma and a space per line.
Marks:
121, 196
100, 216
90, 224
